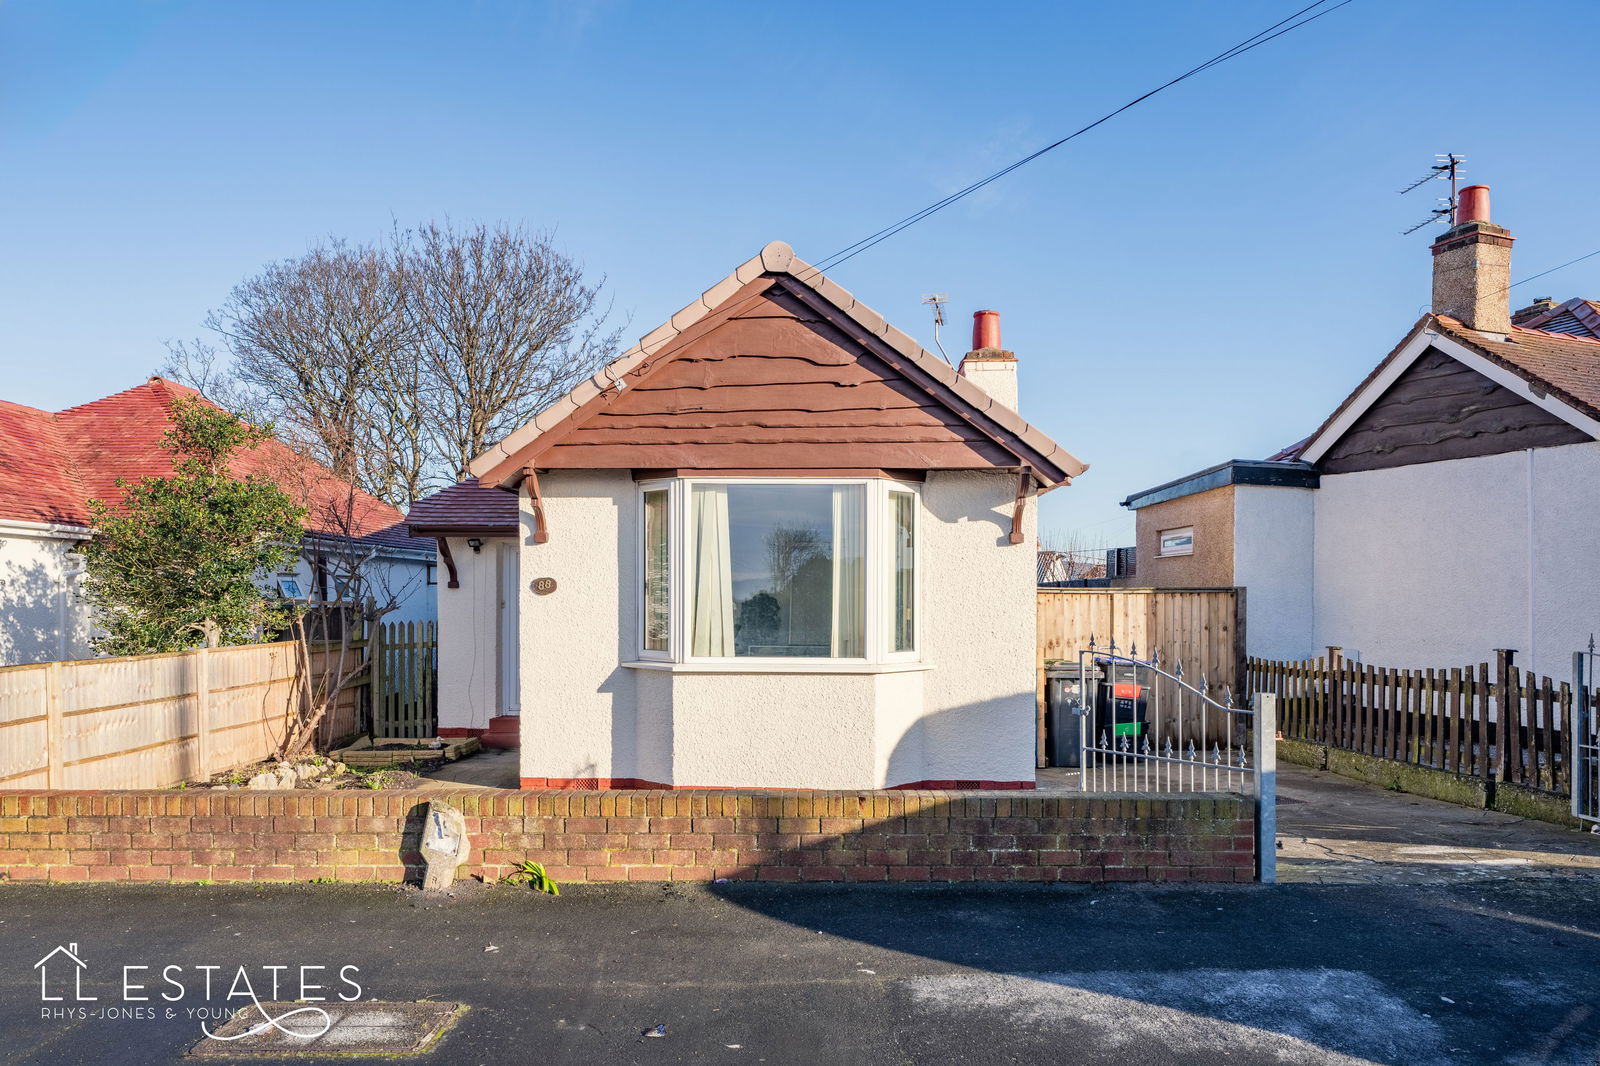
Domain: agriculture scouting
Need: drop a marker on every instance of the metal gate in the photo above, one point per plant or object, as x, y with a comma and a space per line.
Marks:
1144, 728
1585, 737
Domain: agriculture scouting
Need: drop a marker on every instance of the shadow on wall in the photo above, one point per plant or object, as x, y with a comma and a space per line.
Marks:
37, 623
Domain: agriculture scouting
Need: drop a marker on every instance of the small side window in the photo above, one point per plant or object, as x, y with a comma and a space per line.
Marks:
1176, 542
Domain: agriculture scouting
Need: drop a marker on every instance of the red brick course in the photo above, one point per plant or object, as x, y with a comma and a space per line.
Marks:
890, 835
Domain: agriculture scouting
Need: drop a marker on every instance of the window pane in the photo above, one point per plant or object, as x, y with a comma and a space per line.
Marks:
656, 614
795, 561
902, 507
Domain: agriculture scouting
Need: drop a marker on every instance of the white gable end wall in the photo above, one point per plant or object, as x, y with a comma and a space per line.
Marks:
1437, 564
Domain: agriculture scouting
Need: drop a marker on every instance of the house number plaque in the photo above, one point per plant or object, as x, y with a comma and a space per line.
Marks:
544, 586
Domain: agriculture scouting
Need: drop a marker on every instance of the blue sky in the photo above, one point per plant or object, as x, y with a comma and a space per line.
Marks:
1202, 278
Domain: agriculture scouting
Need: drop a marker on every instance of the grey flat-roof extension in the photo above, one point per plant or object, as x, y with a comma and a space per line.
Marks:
1232, 472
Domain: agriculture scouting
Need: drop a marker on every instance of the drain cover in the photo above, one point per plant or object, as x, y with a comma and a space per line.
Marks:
329, 1029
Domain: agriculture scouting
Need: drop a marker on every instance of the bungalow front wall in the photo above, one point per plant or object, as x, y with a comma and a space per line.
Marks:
596, 712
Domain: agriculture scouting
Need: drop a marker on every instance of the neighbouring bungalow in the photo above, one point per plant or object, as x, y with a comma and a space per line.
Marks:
53, 463
776, 544
1447, 507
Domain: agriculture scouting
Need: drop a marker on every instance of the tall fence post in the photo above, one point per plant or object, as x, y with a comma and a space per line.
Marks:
1508, 720
55, 769
1265, 741
201, 672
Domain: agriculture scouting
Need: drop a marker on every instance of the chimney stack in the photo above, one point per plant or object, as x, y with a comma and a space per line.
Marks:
988, 365
1472, 266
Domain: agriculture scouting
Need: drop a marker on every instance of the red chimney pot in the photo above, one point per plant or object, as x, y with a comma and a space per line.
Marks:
1473, 204
985, 329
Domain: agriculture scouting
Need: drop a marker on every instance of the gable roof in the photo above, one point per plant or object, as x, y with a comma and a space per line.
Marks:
1578, 317
1558, 372
52, 465
984, 433
465, 509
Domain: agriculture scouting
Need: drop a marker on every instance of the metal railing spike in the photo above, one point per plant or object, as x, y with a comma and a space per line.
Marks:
1216, 753
1133, 652
1155, 658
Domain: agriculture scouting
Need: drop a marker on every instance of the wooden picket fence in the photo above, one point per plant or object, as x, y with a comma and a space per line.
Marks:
405, 685
1498, 723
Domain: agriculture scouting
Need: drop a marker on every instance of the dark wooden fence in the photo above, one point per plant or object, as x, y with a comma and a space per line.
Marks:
1498, 723
405, 658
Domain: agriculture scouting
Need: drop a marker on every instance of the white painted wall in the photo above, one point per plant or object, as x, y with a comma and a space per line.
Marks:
1440, 563
469, 661
968, 716
42, 617
979, 617
1273, 545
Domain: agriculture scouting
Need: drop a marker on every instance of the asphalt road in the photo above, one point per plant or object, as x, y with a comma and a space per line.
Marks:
1488, 972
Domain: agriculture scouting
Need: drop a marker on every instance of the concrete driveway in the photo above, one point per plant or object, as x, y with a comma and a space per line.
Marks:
1499, 972
1334, 830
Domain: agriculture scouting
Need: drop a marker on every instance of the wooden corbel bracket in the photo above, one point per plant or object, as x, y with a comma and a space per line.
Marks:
541, 528
1024, 482
449, 562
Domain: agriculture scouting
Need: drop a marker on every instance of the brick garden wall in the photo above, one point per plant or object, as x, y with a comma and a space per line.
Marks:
630, 836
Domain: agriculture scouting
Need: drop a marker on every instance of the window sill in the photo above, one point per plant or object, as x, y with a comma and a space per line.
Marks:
770, 667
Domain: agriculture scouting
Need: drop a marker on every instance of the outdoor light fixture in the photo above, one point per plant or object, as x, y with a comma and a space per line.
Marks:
476, 544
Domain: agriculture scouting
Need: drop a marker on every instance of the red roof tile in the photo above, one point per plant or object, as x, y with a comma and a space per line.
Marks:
1565, 365
467, 507
35, 484
52, 465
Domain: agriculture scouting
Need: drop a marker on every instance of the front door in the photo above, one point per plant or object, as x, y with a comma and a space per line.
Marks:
510, 645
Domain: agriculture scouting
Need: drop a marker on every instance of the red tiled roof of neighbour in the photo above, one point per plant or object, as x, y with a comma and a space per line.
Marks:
35, 484
52, 465
465, 507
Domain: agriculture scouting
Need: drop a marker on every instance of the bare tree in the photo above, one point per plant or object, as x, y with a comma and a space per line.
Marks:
506, 325
1071, 555
351, 589
395, 363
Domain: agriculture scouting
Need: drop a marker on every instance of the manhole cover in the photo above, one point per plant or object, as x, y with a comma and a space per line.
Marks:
372, 1028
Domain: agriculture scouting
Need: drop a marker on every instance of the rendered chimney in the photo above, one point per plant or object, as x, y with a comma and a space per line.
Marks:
1472, 266
988, 365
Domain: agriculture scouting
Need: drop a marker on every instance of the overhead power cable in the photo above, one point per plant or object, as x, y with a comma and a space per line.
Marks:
1305, 15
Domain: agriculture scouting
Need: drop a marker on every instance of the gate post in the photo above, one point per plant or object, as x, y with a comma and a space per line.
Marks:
1264, 738
1578, 773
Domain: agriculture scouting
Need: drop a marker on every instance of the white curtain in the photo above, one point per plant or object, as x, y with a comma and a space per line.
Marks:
849, 572
713, 573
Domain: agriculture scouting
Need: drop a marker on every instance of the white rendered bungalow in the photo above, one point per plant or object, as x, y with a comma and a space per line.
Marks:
775, 545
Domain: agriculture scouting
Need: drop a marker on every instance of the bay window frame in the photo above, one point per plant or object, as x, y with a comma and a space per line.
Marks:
878, 583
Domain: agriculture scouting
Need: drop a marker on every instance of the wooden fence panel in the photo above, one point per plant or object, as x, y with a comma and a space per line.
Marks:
145, 721
1201, 628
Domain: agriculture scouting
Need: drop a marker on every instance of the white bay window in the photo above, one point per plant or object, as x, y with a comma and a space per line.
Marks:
769, 570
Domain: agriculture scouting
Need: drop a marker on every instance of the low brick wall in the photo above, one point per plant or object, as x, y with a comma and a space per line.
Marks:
631, 836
